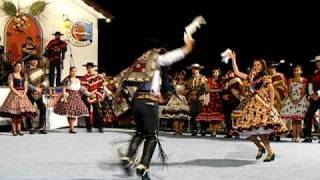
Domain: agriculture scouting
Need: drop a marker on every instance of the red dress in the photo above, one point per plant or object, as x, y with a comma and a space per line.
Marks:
214, 110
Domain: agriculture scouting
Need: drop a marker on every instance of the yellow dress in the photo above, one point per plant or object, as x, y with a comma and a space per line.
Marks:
255, 118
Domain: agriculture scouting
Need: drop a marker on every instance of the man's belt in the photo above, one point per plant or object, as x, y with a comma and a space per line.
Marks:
146, 95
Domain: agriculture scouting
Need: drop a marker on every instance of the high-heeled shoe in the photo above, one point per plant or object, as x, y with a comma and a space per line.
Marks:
260, 153
270, 158
14, 133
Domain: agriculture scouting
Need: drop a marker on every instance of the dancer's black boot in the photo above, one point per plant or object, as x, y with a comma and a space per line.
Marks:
127, 161
148, 149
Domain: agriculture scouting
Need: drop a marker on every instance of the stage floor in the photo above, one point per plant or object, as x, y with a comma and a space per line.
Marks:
59, 155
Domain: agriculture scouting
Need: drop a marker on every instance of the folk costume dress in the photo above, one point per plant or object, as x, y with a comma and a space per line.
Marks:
291, 111
73, 106
14, 106
178, 106
255, 117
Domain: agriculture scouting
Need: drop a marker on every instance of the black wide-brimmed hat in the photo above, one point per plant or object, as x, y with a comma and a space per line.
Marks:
91, 64
58, 33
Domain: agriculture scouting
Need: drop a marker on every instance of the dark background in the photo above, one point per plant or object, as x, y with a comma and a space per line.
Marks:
265, 29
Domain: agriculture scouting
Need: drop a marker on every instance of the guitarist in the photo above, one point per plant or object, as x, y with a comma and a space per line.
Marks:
55, 52
35, 90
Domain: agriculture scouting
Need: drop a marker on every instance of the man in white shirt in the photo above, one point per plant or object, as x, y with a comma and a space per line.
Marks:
145, 106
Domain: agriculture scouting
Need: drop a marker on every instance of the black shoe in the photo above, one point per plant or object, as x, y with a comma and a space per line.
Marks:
260, 153
307, 140
278, 138
72, 131
203, 133
213, 135
194, 134
31, 131
101, 130
14, 133
19, 133
269, 158
89, 130
126, 165
42, 131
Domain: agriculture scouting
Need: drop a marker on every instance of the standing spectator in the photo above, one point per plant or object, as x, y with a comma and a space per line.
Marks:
212, 111
314, 102
297, 104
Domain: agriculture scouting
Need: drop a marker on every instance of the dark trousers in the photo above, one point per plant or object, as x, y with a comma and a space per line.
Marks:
97, 115
314, 106
195, 108
42, 108
54, 65
146, 117
227, 111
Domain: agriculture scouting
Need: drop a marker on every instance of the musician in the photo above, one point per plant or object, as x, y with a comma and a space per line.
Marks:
55, 52
94, 84
28, 49
36, 79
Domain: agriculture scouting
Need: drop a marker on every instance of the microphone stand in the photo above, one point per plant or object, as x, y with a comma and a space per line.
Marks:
71, 56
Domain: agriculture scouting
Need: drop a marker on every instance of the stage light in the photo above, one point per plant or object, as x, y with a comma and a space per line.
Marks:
282, 61
108, 20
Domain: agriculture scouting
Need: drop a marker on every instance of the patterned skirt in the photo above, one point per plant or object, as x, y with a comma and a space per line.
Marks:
255, 118
176, 109
73, 107
15, 107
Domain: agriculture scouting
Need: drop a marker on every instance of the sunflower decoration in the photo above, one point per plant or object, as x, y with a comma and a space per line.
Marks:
20, 18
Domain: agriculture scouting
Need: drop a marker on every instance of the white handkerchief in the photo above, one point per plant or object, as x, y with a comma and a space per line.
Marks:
225, 56
192, 27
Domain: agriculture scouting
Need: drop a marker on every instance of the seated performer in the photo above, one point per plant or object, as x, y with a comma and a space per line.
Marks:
28, 51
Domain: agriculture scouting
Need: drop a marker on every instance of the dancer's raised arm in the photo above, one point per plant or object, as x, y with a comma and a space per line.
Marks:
242, 75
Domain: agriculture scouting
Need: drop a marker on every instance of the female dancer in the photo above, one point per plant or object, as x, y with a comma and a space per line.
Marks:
258, 116
70, 104
17, 104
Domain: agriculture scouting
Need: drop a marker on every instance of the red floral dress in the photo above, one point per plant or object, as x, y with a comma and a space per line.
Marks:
214, 110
